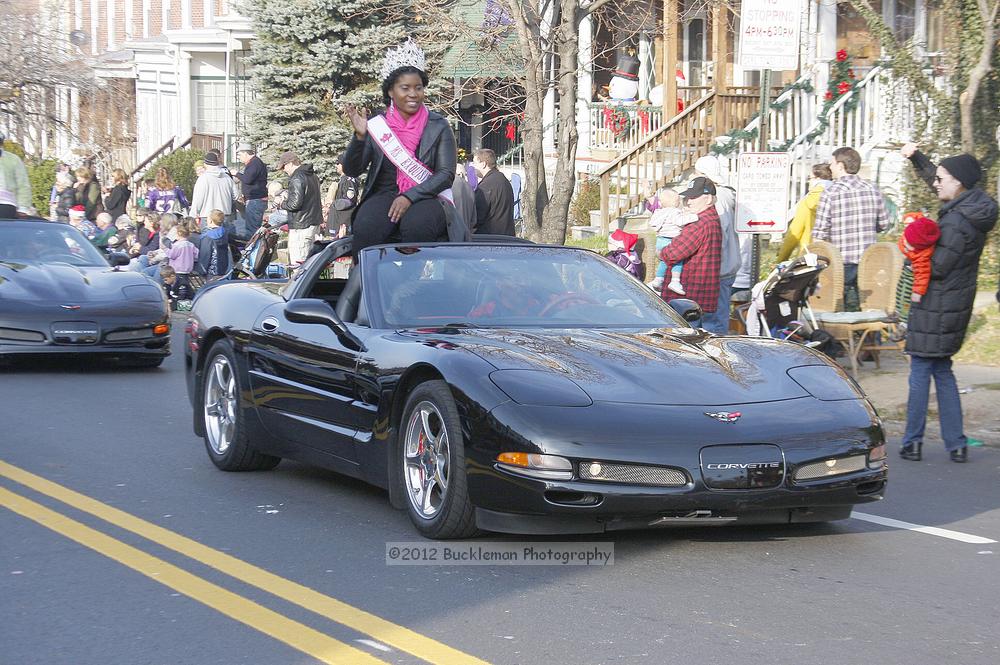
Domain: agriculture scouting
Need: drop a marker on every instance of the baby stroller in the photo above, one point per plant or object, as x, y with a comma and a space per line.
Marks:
257, 254
777, 302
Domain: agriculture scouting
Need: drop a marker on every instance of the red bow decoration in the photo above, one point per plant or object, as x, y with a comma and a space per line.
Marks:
841, 55
644, 120
511, 130
828, 96
843, 87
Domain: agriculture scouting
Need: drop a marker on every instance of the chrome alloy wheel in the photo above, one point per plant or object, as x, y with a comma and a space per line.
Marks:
426, 460
220, 404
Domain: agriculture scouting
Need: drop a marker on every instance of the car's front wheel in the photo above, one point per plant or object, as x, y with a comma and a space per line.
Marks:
433, 464
226, 438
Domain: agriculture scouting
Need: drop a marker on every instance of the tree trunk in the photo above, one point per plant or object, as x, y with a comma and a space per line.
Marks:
556, 214
967, 100
534, 196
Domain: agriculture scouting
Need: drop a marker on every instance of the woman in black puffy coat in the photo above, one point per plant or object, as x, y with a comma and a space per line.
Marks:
937, 324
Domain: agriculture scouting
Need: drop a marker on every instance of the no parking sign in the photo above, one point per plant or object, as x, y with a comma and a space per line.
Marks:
762, 192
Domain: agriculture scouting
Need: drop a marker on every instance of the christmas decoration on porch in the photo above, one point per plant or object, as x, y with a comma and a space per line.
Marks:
842, 82
617, 120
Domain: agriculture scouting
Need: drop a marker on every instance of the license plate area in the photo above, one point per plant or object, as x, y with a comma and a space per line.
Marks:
742, 467
75, 332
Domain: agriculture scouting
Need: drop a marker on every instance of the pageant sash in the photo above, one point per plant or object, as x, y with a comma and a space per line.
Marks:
397, 153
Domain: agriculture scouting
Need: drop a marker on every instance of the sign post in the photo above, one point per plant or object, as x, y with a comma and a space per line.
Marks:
762, 192
769, 40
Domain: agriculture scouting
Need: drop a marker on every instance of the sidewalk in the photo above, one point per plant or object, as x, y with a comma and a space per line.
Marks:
979, 387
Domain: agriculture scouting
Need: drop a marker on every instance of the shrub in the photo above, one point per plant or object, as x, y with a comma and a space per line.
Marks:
11, 146
41, 175
588, 197
180, 165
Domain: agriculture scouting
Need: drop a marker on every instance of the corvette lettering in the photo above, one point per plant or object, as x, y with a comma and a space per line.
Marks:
751, 465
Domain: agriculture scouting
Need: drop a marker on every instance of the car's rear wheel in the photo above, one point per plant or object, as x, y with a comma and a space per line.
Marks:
226, 437
432, 455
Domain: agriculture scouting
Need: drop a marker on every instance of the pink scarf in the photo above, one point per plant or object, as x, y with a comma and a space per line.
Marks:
408, 132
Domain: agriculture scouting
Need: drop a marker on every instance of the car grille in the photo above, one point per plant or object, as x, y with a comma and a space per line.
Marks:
633, 474
129, 335
16, 335
818, 470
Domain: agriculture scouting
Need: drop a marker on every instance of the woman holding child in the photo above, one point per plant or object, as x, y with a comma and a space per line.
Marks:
938, 320
409, 153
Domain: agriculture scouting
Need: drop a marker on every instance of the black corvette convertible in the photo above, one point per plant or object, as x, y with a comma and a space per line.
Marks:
524, 388
60, 295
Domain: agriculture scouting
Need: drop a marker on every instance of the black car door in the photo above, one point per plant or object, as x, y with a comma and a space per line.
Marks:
302, 378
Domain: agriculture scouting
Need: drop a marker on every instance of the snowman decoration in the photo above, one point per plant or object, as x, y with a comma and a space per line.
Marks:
624, 86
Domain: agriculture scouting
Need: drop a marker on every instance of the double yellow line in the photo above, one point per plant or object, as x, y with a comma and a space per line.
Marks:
295, 634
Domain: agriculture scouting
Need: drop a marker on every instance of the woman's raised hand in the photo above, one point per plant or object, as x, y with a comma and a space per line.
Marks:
358, 119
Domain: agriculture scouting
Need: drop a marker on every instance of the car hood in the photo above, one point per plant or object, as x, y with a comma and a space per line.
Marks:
64, 282
663, 366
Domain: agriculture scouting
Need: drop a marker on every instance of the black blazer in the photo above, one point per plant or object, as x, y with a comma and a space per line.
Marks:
436, 150
495, 205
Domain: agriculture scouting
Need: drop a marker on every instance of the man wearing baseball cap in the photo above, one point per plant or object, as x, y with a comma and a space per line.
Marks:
699, 246
253, 179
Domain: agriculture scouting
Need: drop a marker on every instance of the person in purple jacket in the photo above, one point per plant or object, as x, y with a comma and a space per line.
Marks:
166, 196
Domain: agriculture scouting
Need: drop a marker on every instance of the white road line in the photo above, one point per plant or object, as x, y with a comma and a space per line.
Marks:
374, 645
930, 530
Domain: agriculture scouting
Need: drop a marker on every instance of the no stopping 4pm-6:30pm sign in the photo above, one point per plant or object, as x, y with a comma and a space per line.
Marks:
762, 192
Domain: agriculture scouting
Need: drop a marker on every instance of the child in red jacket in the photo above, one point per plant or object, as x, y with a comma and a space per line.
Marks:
917, 244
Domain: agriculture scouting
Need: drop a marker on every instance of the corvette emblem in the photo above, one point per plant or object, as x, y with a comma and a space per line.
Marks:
725, 416
70, 306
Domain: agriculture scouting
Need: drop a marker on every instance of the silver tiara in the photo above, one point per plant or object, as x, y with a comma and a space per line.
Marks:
407, 54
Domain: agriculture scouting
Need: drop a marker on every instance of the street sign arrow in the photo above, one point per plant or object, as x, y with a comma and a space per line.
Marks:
769, 223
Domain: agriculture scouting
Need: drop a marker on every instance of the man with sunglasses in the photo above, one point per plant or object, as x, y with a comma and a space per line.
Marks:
851, 212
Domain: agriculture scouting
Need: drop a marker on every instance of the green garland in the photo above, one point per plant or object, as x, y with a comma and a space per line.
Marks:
737, 135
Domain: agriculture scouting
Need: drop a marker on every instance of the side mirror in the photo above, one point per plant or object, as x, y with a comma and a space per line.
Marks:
689, 310
314, 310
118, 259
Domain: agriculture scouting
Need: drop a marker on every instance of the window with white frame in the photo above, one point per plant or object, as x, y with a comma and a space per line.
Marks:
210, 106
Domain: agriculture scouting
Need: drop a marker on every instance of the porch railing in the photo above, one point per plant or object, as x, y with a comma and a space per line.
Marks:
668, 152
642, 120
662, 157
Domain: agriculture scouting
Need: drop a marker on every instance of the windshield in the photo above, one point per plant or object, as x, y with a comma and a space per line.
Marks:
510, 286
42, 243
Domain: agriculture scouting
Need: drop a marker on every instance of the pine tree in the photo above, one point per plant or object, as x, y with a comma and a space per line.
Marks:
309, 57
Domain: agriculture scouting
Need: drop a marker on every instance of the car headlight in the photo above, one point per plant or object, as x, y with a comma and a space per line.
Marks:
546, 467
142, 293
824, 383
532, 387
834, 466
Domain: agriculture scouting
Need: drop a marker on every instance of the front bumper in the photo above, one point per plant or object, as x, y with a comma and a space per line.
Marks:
119, 337
675, 437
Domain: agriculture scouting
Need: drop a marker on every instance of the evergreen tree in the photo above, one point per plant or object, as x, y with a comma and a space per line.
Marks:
309, 57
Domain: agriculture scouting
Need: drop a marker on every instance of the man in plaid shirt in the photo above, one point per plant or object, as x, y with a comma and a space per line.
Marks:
699, 246
851, 211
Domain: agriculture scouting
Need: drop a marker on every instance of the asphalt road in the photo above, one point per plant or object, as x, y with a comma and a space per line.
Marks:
121, 543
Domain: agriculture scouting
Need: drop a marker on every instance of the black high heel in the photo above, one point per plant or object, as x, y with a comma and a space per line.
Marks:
912, 452
960, 454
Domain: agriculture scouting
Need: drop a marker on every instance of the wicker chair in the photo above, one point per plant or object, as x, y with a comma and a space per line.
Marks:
878, 272
830, 296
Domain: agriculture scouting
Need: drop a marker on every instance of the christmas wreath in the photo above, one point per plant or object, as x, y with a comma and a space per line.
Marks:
618, 120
